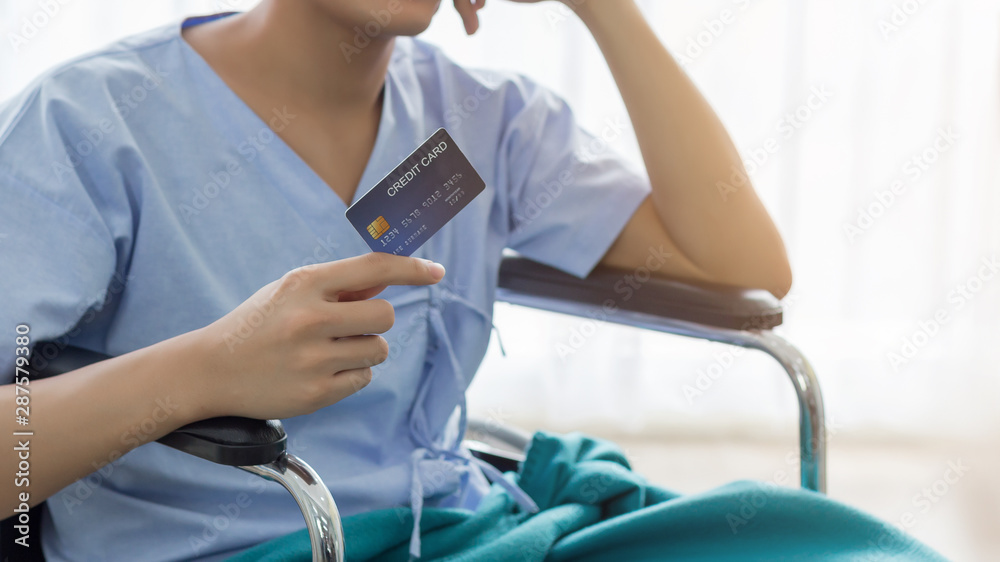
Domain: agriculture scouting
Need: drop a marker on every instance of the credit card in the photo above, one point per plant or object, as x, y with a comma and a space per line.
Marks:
417, 198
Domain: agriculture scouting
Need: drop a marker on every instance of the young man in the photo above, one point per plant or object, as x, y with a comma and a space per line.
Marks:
177, 200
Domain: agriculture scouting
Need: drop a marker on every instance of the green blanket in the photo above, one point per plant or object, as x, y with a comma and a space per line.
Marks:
593, 507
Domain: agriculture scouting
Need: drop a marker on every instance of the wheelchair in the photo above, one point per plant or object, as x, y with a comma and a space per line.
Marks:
741, 317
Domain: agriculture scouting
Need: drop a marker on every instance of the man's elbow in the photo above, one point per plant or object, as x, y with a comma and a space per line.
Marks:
771, 273
781, 281
780, 289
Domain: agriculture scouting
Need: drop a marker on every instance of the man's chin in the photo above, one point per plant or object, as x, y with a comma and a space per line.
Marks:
390, 19
415, 17
409, 30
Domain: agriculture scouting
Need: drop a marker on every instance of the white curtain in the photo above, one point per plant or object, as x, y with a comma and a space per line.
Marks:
871, 132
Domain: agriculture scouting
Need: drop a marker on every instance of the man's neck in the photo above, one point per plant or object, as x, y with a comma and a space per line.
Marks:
293, 51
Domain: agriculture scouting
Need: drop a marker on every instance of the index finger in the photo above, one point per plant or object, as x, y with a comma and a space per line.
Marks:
375, 270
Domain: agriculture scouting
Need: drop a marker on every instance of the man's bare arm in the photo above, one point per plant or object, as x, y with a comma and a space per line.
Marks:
84, 419
720, 235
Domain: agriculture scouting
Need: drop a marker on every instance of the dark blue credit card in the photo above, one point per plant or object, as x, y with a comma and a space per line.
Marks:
417, 198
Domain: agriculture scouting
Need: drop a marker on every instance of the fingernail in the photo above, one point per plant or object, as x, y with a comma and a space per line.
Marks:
436, 269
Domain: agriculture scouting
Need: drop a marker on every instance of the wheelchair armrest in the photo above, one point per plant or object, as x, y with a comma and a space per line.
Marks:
231, 441
719, 306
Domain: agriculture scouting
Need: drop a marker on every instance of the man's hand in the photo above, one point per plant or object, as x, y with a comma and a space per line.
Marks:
307, 340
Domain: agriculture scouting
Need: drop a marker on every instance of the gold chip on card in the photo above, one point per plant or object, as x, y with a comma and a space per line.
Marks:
378, 227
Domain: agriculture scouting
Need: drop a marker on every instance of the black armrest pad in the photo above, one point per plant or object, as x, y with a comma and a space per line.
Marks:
228, 440
721, 306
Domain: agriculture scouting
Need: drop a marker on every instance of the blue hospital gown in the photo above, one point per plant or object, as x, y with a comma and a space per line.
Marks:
142, 199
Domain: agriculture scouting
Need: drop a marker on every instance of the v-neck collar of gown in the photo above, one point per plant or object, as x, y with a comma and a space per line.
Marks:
304, 189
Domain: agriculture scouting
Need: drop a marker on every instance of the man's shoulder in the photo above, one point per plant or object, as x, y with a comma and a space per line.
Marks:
94, 77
